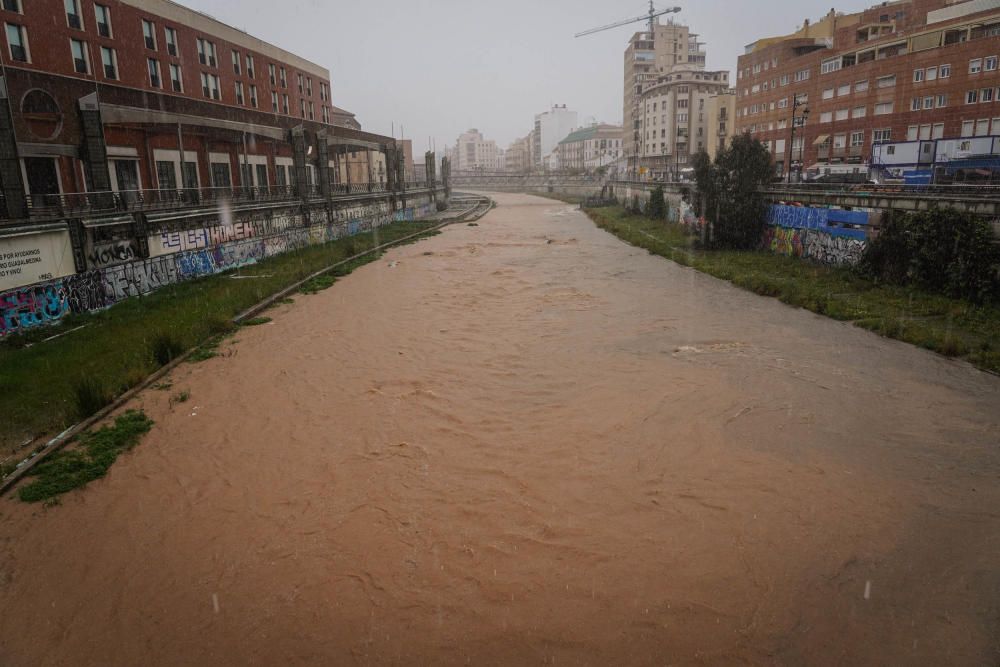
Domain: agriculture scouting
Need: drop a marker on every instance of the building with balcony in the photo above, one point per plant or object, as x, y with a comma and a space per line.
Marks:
591, 148
674, 118
906, 71
146, 96
474, 152
720, 111
518, 156
551, 127
648, 57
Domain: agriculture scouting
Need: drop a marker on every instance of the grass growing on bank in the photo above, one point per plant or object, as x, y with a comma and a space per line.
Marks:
90, 459
950, 327
48, 386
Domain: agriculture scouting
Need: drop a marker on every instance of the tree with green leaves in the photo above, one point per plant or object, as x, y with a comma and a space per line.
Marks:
657, 208
729, 193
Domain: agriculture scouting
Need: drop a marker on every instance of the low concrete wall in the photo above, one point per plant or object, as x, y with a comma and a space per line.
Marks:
180, 246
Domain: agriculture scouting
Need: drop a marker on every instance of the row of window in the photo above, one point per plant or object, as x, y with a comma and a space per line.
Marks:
207, 54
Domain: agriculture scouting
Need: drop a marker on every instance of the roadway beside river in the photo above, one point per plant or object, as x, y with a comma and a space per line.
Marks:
528, 442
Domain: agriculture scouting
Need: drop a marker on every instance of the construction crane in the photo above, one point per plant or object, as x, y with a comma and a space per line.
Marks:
651, 17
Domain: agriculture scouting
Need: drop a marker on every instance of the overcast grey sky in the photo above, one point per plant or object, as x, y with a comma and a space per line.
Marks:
439, 67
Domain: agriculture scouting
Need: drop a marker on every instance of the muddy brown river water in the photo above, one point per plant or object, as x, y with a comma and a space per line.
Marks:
529, 443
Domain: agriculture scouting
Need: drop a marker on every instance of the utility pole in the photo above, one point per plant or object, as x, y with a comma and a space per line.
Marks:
796, 103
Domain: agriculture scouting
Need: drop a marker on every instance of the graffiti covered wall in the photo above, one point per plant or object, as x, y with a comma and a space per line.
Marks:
180, 256
830, 236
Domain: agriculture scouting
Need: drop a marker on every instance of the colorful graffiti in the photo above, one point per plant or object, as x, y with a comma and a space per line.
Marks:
830, 236
47, 303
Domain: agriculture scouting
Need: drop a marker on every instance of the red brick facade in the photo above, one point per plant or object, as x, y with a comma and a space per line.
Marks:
900, 43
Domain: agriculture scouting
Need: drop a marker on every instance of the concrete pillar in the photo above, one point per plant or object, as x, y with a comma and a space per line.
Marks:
10, 165
94, 151
323, 170
299, 158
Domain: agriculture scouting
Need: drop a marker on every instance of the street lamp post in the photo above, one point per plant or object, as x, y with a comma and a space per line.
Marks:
796, 103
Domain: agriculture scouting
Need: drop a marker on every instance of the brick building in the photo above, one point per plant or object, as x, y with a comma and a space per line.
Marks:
905, 71
140, 95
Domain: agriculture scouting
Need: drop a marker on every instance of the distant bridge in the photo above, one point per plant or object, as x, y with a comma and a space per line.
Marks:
981, 200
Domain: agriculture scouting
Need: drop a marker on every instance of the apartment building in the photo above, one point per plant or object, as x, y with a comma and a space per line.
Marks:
720, 127
474, 152
900, 72
551, 127
590, 148
518, 156
674, 118
131, 95
648, 57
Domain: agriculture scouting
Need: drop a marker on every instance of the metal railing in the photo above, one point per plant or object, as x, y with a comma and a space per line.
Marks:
145, 200
956, 190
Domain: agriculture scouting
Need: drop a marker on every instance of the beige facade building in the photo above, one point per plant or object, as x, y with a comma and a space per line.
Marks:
518, 156
648, 57
721, 115
674, 118
474, 152
591, 148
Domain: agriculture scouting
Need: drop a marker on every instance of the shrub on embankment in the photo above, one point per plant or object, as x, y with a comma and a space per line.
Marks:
945, 251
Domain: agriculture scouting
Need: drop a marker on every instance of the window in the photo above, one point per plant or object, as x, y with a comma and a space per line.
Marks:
270, 73
284, 78
326, 115
166, 177
841, 114
996, 127
250, 68
206, 52
322, 92
103, 16
73, 14
785, 79
975, 66
990, 64
236, 63
915, 104
17, 38
945, 71
929, 102
844, 90
253, 96
302, 107
839, 140
986, 95
826, 117
309, 86
110, 61
883, 135
12, 6
312, 111
284, 103
925, 134
176, 81
967, 128
932, 73
887, 81
171, 41
857, 139
300, 84
937, 132
149, 34
831, 65
918, 75
858, 112
210, 86
911, 133
828, 94
861, 86
81, 64
983, 127
883, 108
239, 92
154, 72
274, 102
942, 101
972, 97
802, 75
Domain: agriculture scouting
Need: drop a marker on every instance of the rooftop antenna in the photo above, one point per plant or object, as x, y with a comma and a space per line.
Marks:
653, 14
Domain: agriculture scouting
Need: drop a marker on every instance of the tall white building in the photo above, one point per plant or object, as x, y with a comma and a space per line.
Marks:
551, 127
473, 152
